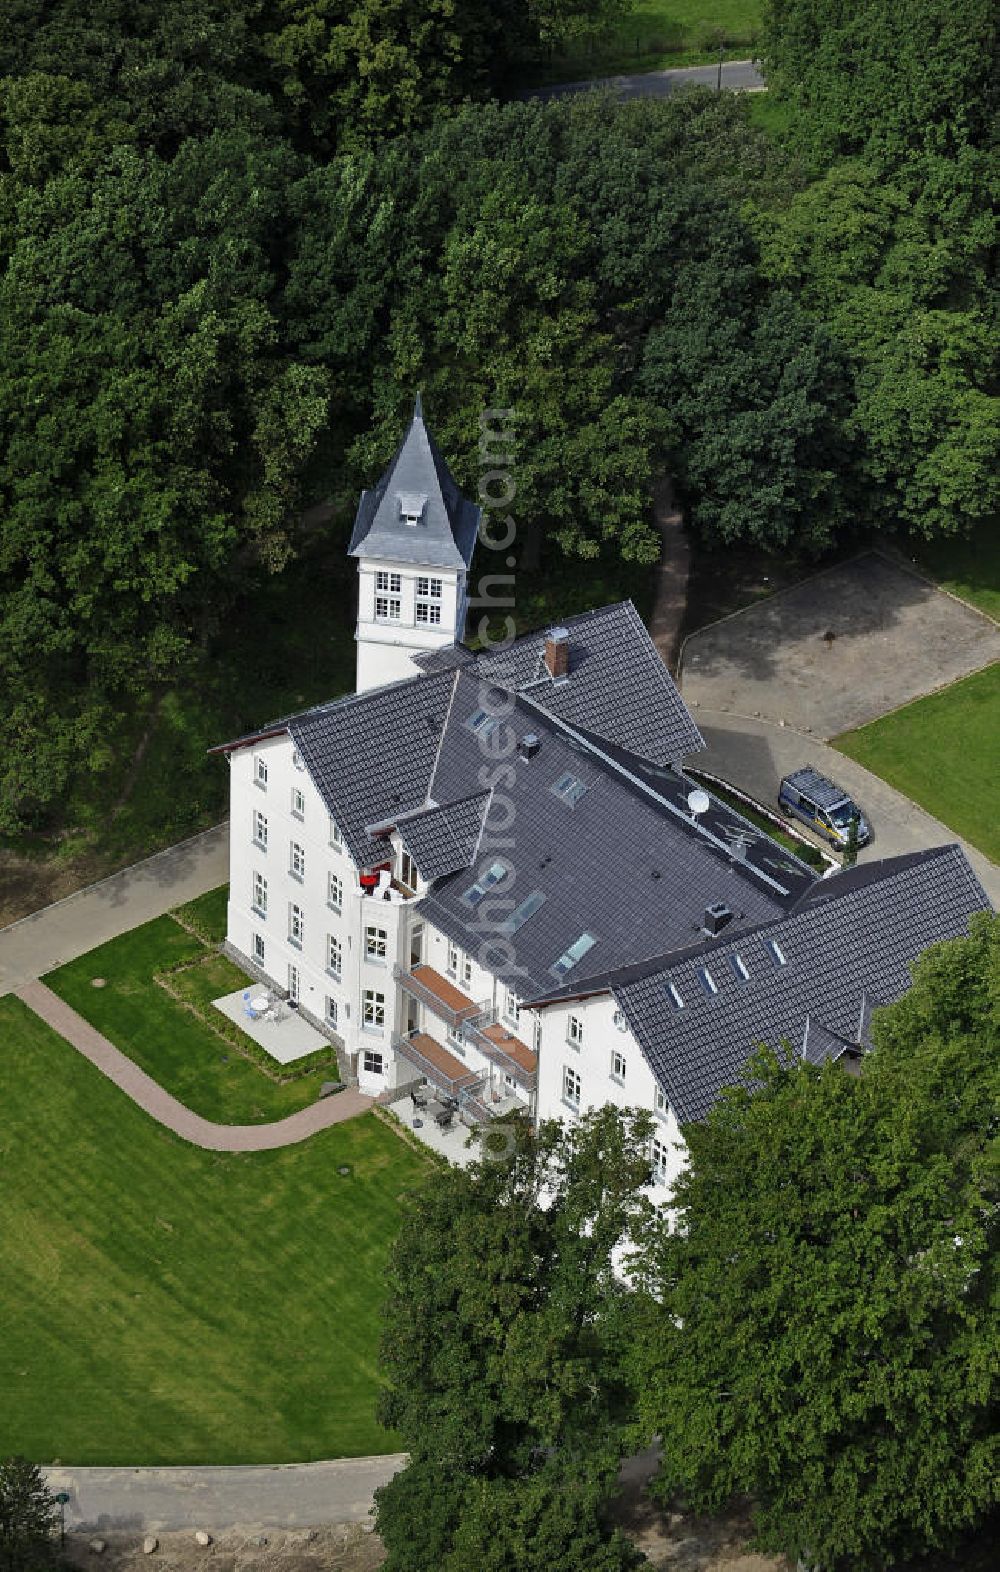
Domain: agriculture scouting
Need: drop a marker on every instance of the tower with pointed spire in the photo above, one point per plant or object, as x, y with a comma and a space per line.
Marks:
413, 538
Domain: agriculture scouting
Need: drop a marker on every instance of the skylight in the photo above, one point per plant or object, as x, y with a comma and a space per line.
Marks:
673, 994
482, 723
707, 981
496, 872
777, 953
569, 958
570, 788
520, 914
740, 969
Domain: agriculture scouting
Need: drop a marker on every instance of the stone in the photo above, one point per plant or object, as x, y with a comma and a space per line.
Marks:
98, 1546
98, 982
202, 1538
149, 1544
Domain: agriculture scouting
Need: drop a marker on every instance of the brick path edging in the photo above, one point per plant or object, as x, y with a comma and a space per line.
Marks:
165, 1109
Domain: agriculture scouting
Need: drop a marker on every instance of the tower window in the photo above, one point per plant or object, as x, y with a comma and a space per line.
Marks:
386, 608
390, 583
429, 589
428, 613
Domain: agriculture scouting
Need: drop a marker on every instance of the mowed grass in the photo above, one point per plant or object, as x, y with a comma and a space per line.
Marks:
968, 565
162, 1304
658, 34
944, 752
178, 1050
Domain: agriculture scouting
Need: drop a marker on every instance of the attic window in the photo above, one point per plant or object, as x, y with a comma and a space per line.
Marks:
707, 981
520, 914
495, 873
569, 958
739, 967
777, 953
411, 507
673, 994
570, 789
482, 723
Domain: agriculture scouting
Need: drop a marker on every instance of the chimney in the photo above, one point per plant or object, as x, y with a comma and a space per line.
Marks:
557, 653
529, 745
716, 917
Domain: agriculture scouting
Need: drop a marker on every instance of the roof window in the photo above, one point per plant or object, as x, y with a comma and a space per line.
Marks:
570, 789
777, 953
739, 968
520, 914
411, 506
495, 873
569, 958
707, 981
482, 723
673, 994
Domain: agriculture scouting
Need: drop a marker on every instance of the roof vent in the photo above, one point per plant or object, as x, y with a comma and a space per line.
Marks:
557, 652
716, 917
529, 745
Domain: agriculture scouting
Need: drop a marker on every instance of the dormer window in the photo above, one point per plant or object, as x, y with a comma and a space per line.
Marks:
411, 507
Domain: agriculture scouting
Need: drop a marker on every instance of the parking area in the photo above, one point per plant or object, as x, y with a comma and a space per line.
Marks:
837, 650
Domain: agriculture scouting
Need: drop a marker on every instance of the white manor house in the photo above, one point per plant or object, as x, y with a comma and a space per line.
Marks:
487, 870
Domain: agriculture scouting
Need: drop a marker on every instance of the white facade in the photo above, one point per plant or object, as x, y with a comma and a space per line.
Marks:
402, 610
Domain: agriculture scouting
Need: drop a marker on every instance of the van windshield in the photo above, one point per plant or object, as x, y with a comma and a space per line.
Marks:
843, 813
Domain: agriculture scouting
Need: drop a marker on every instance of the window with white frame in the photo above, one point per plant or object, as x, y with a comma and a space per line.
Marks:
334, 956
456, 1040
467, 971
294, 984
258, 948
336, 839
386, 608
334, 891
260, 830
373, 1010
661, 1104
296, 860
429, 589
574, 1031
389, 583
296, 924
660, 1155
298, 802
429, 613
260, 774
332, 1010
617, 1065
375, 943
511, 1006
451, 964
372, 1062
260, 894
571, 1086
407, 871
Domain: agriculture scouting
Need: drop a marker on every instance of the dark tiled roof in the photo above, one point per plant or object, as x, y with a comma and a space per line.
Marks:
372, 755
848, 944
444, 839
445, 537
618, 687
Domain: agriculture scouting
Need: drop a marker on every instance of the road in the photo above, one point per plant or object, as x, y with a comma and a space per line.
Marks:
161, 1499
738, 76
71, 927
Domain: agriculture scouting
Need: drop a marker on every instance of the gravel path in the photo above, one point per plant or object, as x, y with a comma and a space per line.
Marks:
166, 1110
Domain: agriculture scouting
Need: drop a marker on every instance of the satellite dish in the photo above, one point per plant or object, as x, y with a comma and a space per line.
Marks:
699, 801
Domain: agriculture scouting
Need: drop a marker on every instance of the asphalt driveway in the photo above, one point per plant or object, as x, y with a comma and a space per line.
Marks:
837, 650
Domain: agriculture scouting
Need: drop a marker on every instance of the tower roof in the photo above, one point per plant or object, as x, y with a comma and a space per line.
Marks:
416, 513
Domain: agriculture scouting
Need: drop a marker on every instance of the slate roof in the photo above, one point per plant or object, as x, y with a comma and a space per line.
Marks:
618, 687
848, 943
442, 840
446, 535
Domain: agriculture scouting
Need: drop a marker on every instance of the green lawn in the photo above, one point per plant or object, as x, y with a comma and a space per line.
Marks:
168, 1305
968, 565
944, 752
658, 34
177, 1049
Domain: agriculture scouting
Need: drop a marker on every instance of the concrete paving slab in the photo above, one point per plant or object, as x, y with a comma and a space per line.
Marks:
282, 1032
837, 650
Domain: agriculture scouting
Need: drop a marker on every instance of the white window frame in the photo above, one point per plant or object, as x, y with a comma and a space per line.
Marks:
334, 956
296, 860
368, 1062
572, 1087
618, 1066
260, 829
456, 1040
454, 956
298, 803
407, 871
376, 943
511, 1005
332, 1011
373, 1010
466, 970
296, 924
429, 613
659, 1157
335, 892
258, 948
259, 902
430, 589
574, 1031
661, 1103
260, 773
388, 583
294, 982
336, 838
388, 608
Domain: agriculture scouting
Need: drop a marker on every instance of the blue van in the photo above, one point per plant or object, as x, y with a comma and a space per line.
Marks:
809, 796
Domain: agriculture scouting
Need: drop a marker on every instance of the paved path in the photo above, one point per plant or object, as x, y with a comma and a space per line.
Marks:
166, 1110
755, 754
152, 1499
738, 76
58, 933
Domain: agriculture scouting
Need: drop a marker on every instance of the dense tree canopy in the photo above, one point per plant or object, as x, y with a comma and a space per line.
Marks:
823, 1329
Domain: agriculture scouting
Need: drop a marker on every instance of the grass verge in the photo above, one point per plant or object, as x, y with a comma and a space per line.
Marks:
942, 752
165, 1305
212, 1069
